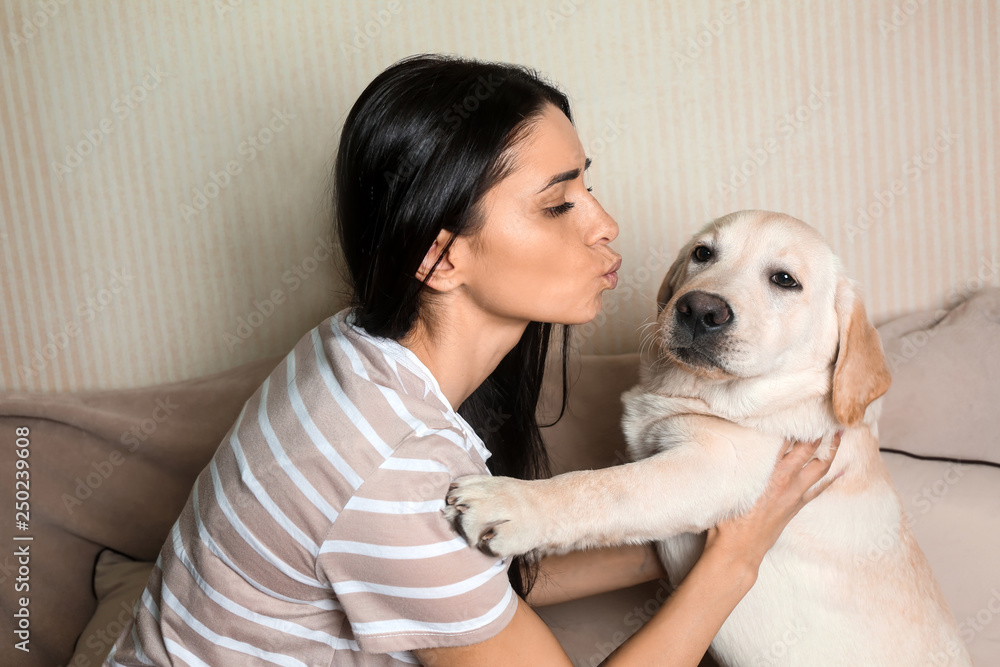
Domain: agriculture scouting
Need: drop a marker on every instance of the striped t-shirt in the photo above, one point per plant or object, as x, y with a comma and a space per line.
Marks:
315, 536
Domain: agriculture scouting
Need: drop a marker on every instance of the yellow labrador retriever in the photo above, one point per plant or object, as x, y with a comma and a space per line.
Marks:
760, 339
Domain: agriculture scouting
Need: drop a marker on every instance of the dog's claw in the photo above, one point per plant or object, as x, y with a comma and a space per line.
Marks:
486, 536
485, 548
484, 542
477, 507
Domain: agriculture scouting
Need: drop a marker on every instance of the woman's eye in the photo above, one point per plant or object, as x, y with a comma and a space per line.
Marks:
701, 253
782, 279
559, 210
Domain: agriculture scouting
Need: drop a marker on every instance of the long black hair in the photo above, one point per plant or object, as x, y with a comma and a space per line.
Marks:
424, 142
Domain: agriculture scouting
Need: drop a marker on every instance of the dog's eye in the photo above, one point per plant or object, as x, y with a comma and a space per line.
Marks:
782, 279
701, 253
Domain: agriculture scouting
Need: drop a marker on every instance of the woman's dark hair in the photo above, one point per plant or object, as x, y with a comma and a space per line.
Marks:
424, 142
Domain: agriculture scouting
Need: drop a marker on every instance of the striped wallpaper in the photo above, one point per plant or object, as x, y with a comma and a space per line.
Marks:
162, 164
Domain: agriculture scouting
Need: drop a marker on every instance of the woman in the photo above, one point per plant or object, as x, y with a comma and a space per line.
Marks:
315, 535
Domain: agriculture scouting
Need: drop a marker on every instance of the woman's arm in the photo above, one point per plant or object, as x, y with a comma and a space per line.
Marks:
525, 641
681, 631
683, 628
580, 574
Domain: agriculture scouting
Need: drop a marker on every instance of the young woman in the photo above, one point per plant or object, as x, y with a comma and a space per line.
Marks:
315, 536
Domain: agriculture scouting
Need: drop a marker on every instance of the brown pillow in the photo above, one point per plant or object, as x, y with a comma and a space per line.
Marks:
118, 584
109, 469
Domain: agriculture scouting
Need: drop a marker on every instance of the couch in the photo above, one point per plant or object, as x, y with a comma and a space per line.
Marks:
110, 471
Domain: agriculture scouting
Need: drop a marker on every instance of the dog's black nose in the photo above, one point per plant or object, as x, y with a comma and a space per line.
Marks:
701, 313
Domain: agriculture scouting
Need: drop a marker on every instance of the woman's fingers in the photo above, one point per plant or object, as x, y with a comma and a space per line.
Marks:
788, 490
803, 450
814, 470
800, 452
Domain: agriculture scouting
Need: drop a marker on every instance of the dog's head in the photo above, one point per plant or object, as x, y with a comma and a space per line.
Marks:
761, 295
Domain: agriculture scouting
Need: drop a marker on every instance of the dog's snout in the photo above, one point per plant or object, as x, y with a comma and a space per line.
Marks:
702, 313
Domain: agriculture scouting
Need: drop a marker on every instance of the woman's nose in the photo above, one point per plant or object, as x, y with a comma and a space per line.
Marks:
605, 228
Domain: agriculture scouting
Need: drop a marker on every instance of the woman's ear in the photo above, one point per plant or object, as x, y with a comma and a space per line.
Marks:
673, 279
860, 374
445, 275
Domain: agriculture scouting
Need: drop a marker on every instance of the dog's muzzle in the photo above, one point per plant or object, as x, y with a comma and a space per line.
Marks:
698, 334
701, 315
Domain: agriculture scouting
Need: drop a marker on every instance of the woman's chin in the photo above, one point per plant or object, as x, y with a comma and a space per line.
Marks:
583, 318
582, 314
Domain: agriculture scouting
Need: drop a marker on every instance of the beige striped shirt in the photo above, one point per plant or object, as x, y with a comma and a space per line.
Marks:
315, 535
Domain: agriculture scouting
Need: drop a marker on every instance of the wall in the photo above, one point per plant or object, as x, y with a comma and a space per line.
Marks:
162, 164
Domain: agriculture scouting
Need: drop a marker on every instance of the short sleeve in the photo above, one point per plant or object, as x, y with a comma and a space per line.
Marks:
404, 577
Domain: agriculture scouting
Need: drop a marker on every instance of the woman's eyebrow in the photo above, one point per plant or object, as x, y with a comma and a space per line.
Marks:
565, 176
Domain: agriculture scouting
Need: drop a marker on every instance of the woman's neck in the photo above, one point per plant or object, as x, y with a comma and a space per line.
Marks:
463, 349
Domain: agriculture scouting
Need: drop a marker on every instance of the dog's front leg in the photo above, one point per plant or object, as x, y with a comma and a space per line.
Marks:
707, 469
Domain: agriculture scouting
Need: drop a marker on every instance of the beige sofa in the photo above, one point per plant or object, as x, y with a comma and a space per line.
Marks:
110, 471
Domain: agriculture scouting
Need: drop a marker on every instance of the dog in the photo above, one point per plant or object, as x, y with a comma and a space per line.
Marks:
760, 339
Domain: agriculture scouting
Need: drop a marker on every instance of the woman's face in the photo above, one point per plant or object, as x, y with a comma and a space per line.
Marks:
543, 251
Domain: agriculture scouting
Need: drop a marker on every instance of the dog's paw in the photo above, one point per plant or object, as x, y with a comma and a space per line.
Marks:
492, 514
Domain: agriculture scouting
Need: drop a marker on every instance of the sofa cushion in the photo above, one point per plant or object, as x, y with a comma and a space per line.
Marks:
109, 469
589, 435
118, 583
954, 512
945, 367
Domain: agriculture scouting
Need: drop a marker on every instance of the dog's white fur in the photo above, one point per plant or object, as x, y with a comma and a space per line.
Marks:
846, 583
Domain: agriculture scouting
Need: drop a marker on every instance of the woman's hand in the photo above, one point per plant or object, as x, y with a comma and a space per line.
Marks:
682, 630
752, 534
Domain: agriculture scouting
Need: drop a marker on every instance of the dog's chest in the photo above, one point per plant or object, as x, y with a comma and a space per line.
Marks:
646, 419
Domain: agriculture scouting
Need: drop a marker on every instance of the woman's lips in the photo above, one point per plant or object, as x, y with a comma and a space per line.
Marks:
612, 275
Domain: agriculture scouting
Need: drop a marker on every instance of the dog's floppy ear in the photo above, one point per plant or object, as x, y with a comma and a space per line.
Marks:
673, 279
861, 373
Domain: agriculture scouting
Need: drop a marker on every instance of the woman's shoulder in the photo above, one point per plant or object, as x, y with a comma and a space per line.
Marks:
377, 376
377, 382
438, 450
339, 418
